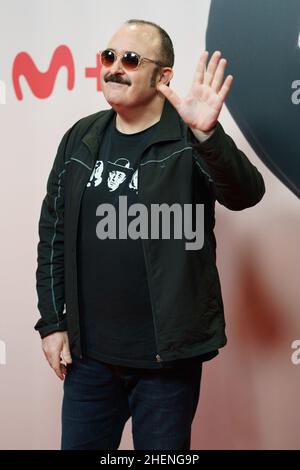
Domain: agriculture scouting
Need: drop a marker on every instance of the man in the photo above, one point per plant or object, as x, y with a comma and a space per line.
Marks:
142, 314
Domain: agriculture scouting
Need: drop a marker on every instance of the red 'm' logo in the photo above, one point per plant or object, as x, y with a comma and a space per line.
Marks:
42, 83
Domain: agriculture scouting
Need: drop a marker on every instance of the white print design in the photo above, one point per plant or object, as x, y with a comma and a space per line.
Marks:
97, 174
120, 172
134, 181
116, 177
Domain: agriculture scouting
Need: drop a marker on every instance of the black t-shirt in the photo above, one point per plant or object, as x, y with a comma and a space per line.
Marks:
114, 302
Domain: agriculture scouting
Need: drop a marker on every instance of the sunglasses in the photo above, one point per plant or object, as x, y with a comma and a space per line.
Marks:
130, 60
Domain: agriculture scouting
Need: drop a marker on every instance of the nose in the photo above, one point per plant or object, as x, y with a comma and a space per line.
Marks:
117, 66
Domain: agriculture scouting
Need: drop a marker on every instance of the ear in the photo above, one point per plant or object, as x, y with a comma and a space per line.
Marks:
165, 75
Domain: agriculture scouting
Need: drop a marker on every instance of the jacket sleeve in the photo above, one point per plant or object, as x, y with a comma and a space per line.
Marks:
234, 181
50, 251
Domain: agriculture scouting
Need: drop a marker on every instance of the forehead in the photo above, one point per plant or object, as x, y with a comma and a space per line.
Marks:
143, 39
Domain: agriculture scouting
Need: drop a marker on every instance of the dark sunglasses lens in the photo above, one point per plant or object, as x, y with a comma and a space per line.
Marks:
130, 60
107, 58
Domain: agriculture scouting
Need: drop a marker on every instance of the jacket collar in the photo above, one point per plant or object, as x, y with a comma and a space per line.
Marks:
169, 128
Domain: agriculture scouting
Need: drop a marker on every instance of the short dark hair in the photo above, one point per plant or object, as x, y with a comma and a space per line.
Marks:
167, 51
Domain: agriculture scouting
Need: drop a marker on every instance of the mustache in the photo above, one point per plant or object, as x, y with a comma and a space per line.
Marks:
117, 79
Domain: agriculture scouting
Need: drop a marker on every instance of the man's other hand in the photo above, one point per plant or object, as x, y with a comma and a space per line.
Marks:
56, 349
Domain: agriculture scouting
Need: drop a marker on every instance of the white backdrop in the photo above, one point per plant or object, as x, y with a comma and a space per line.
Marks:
249, 396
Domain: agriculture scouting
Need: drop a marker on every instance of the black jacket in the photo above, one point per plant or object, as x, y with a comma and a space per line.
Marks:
184, 284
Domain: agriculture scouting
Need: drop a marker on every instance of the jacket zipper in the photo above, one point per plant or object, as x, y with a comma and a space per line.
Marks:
157, 357
77, 218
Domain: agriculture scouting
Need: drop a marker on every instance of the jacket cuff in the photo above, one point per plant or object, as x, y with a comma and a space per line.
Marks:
45, 329
212, 146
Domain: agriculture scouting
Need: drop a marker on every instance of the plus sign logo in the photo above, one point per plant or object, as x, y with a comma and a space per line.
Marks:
42, 83
94, 72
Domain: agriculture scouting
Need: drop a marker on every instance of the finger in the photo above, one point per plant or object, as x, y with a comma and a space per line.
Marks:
58, 372
219, 76
63, 369
211, 68
200, 69
55, 364
226, 87
169, 94
66, 355
49, 355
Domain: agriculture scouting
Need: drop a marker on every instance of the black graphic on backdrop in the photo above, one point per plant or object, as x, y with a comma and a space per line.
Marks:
260, 39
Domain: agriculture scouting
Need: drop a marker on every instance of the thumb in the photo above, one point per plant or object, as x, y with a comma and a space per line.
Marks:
169, 94
66, 355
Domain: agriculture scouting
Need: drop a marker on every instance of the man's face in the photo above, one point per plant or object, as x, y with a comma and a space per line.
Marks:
137, 87
115, 178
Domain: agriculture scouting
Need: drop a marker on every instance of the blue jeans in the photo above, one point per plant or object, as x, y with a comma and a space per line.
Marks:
99, 398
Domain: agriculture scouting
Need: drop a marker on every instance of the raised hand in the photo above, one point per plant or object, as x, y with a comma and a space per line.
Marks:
201, 107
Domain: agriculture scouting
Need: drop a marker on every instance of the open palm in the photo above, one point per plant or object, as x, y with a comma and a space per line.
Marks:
201, 107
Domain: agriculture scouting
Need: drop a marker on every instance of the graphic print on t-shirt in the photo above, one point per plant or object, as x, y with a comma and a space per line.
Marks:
96, 176
134, 181
117, 173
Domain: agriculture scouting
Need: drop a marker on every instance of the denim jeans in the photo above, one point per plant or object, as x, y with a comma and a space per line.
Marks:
99, 398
